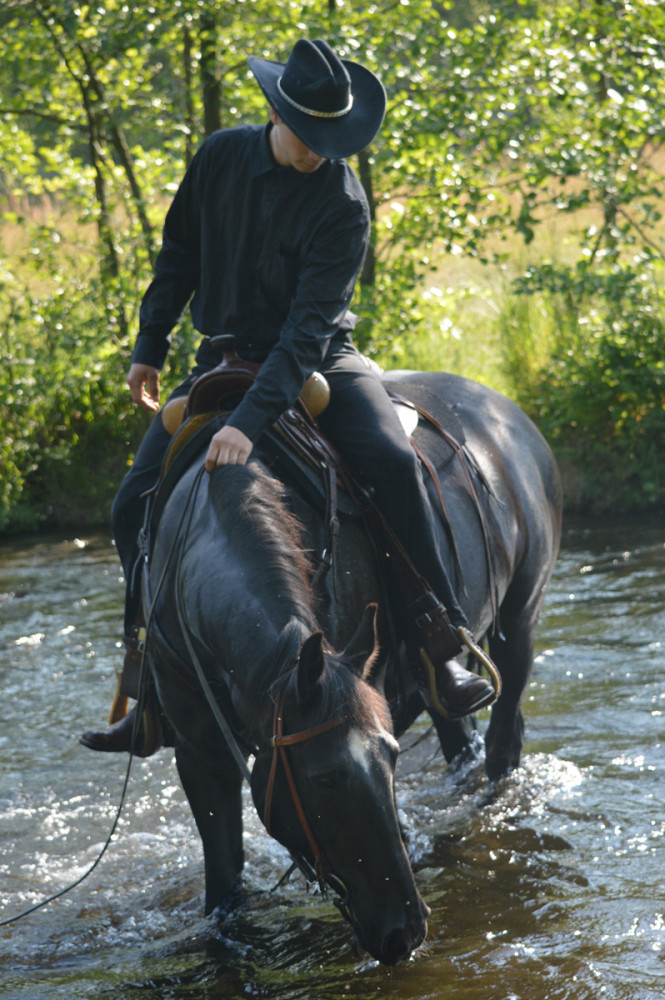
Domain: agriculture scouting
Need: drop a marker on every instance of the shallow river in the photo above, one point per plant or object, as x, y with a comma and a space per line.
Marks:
553, 889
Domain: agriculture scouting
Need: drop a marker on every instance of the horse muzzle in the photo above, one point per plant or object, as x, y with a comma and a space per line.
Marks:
389, 935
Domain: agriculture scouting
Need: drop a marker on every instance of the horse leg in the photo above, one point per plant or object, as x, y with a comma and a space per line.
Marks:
214, 795
455, 736
513, 655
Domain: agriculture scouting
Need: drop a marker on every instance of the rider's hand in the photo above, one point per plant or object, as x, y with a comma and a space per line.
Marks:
229, 446
143, 382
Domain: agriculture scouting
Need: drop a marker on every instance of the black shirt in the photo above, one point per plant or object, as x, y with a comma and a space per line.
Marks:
269, 254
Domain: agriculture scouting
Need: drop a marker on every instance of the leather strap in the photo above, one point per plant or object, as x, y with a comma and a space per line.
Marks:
279, 744
296, 427
464, 462
442, 503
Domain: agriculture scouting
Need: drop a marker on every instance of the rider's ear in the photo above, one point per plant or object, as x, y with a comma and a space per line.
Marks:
311, 664
362, 650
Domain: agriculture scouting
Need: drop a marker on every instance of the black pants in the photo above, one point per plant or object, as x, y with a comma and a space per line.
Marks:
362, 423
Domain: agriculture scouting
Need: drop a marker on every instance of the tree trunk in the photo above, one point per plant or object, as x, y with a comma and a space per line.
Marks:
211, 82
125, 157
109, 263
368, 273
189, 95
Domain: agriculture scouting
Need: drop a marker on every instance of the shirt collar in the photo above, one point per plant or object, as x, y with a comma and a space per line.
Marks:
264, 160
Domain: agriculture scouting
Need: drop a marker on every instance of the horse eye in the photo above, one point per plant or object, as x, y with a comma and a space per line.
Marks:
327, 780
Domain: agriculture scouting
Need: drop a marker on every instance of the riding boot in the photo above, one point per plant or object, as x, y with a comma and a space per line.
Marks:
121, 736
142, 736
448, 688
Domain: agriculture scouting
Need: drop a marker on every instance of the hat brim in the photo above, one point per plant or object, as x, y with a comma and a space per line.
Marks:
332, 138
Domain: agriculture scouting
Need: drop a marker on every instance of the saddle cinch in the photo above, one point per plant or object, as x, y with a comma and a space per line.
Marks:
298, 450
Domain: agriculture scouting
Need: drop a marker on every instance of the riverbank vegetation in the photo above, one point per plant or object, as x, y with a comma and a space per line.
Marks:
516, 186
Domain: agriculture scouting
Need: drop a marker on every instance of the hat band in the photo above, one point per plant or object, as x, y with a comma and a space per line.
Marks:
311, 111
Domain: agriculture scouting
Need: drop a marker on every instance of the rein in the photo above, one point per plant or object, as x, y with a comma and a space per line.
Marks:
318, 872
220, 719
313, 873
142, 687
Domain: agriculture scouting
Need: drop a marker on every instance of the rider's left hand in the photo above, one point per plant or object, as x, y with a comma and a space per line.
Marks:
229, 446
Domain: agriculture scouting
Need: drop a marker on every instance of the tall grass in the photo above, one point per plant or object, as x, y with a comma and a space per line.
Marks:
475, 324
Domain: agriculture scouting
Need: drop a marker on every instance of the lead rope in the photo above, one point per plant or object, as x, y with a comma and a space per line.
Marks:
68, 888
123, 795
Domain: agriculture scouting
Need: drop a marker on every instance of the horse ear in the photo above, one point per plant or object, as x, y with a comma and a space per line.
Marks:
311, 664
362, 650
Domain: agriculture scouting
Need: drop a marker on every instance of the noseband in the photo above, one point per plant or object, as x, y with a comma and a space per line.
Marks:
279, 743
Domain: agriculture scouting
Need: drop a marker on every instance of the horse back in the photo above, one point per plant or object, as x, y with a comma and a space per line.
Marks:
516, 493
508, 448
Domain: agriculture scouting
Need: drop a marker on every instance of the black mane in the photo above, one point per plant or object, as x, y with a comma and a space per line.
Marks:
253, 508
252, 505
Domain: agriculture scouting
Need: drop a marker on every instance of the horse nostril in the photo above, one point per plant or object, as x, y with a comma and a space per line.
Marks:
395, 946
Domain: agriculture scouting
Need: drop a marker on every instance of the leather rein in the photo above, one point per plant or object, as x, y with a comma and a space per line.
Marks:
318, 872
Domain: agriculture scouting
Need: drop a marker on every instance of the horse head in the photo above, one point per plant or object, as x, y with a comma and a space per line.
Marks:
323, 786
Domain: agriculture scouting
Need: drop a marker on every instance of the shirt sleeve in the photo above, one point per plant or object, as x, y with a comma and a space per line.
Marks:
177, 271
326, 283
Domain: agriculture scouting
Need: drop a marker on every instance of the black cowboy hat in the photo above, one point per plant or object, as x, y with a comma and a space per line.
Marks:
333, 105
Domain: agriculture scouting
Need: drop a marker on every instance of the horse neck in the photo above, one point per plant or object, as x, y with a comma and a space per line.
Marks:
255, 607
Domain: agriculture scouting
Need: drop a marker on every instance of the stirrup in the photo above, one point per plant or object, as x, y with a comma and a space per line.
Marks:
484, 700
479, 654
120, 703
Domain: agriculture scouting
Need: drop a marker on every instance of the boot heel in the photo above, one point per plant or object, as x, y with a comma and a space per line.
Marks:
430, 682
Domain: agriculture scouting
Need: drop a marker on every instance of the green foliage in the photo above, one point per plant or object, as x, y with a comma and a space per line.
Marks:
65, 432
600, 399
502, 117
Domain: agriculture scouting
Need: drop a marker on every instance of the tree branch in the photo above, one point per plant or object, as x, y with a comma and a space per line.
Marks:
636, 226
44, 116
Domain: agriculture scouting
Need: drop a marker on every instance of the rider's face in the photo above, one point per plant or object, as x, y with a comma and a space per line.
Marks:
289, 151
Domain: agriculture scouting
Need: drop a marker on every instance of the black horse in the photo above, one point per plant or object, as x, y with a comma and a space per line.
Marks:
298, 674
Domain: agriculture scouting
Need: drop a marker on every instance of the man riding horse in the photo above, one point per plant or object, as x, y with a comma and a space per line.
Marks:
266, 236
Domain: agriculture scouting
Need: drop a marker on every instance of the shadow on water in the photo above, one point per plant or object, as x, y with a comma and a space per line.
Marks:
547, 886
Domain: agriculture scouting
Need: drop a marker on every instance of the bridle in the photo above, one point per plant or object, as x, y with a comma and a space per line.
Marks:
318, 872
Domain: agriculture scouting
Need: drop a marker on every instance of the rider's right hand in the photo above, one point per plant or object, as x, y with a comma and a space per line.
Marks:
143, 382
